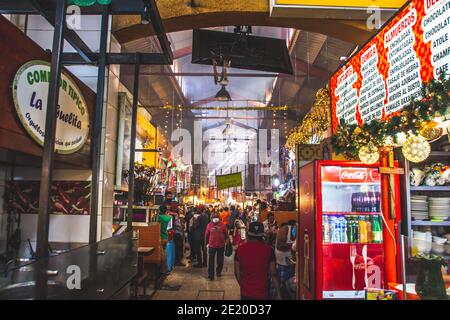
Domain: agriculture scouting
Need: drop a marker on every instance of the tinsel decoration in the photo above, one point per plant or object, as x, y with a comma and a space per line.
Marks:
412, 119
315, 124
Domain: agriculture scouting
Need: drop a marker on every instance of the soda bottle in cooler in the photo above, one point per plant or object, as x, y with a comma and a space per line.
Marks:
377, 230
362, 230
349, 229
378, 200
343, 229
369, 230
361, 202
353, 202
366, 202
325, 229
373, 201
332, 222
355, 230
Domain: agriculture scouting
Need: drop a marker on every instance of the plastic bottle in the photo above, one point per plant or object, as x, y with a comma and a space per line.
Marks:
362, 230
343, 229
355, 230
325, 229
377, 230
349, 229
333, 229
369, 230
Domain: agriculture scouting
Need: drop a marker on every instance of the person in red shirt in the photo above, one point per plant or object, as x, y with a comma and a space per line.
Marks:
253, 262
225, 217
216, 236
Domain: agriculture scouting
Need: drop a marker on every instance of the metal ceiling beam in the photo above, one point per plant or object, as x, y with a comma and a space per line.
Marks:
69, 35
230, 75
158, 27
122, 7
115, 58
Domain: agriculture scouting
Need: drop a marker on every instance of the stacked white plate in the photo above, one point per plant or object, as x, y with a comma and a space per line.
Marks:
419, 207
439, 208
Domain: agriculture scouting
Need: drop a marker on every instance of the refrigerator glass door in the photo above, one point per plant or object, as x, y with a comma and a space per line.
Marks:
352, 248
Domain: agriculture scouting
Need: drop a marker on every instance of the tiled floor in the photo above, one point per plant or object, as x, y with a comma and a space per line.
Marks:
196, 286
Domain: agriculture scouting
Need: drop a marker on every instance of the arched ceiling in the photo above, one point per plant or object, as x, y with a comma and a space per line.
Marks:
178, 15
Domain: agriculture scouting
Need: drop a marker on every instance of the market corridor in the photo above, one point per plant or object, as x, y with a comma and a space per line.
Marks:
189, 283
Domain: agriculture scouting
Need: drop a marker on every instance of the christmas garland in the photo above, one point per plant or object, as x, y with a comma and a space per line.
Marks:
415, 118
315, 124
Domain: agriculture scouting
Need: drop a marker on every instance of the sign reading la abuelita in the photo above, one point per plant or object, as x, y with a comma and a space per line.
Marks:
381, 78
30, 91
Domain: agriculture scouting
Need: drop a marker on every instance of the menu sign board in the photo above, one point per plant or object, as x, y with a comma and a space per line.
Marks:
381, 78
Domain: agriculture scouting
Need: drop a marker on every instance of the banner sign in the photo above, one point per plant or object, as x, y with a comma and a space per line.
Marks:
229, 181
332, 9
345, 4
349, 175
381, 78
30, 91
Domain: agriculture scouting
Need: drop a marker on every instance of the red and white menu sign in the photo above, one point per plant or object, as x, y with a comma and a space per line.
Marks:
381, 78
350, 175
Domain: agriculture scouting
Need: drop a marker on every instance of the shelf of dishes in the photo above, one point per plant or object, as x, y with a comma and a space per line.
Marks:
431, 223
430, 177
430, 188
352, 228
436, 209
426, 242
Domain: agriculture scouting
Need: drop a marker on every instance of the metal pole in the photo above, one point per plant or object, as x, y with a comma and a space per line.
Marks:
133, 144
402, 240
50, 131
97, 130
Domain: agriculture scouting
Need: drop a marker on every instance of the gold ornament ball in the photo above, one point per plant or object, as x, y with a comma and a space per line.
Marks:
368, 154
416, 149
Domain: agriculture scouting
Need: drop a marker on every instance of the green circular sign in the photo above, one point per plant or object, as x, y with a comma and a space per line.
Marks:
30, 92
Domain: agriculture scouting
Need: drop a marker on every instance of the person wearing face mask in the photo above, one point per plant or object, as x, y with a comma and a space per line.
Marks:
216, 237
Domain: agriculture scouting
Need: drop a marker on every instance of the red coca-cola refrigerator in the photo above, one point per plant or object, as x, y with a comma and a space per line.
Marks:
342, 231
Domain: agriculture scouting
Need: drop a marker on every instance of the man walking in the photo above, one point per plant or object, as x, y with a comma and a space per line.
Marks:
254, 261
216, 236
199, 229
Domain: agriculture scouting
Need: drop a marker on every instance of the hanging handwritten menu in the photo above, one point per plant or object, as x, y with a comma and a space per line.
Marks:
383, 77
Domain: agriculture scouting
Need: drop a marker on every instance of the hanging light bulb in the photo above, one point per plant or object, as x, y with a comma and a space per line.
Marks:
368, 154
416, 148
145, 15
228, 148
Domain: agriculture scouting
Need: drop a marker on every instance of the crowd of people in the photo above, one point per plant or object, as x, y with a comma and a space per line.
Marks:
264, 252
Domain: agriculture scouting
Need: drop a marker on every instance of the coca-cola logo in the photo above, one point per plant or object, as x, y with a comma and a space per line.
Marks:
353, 175
375, 175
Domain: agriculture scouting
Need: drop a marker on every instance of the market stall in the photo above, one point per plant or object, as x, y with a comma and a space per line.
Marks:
391, 105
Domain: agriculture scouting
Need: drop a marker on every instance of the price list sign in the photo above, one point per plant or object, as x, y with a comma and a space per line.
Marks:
389, 70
